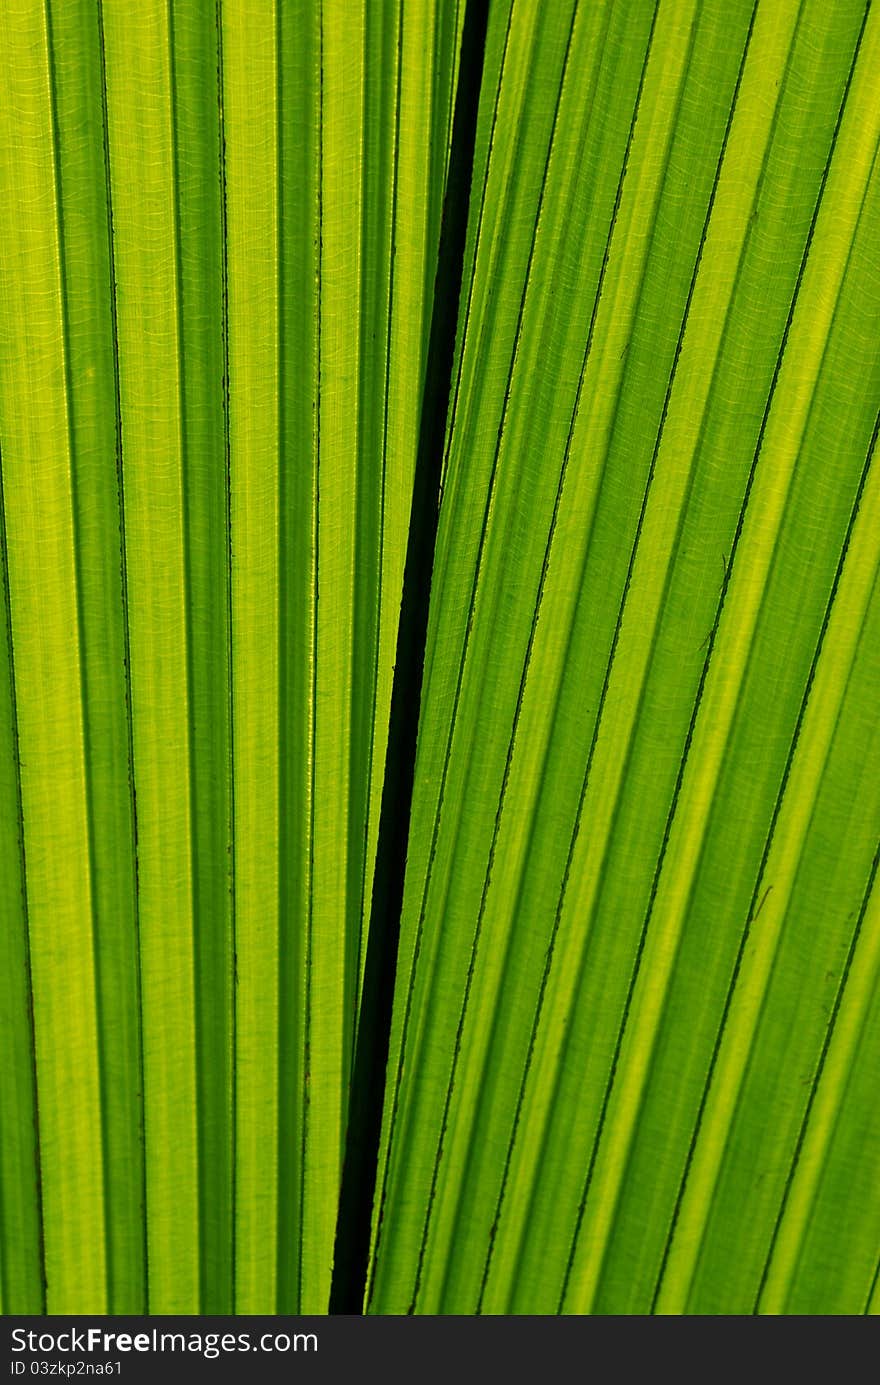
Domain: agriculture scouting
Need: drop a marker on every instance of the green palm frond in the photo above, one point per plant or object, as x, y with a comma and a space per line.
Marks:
634, 1040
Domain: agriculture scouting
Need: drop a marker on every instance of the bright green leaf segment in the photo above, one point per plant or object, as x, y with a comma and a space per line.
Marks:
219, 225
635, 1041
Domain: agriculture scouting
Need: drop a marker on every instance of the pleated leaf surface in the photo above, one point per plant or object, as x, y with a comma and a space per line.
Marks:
637, 983
218, 226
635, 1037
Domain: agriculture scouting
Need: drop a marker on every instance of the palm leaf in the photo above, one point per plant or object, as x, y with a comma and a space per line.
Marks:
634, 1035
637, 637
